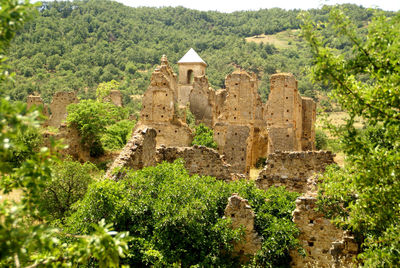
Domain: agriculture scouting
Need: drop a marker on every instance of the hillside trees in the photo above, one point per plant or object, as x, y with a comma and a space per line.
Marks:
364, 196
89, 42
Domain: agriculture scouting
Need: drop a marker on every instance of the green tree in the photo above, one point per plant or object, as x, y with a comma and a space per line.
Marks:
91, 119
364, 196
204, 136
69, 182
176, 218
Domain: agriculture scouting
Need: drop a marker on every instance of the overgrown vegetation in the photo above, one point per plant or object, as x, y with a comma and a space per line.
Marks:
364, 196
204, 136
178, 219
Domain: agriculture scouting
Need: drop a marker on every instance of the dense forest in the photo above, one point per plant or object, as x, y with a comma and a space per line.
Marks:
77, 45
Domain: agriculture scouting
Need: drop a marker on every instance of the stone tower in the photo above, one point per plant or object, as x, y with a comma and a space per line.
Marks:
190, 65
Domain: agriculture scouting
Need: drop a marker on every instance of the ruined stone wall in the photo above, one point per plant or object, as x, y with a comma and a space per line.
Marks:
198, 160
202, 101
159, 109
58, 107
116, 98
241, 214
324, 244
233, 142
293, 169
283, 112
139, 152
309, 117
37, 100
187, 73
243, 104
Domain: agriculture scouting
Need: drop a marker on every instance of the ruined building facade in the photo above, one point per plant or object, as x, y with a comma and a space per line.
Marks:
245, 128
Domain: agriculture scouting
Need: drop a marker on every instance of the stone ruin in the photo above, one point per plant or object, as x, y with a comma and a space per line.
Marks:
56, 114
294, 170
160, 109
58, 107
245, 129
325, 245
242, 216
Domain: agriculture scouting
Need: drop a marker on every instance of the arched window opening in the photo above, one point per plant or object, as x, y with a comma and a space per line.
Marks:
190, 76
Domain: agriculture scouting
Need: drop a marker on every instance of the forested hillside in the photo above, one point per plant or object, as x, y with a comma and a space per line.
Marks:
77, 45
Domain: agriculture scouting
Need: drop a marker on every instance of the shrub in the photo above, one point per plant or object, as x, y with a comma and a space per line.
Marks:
70, 180
204, 136
178, 219
91, 119
117, 135
321, 140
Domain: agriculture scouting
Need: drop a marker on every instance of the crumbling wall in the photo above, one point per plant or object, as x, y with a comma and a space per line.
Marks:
37, 100
58, 107
309, 117
241, 214
232, 141
293, 169
159, 108
139, 152
324, 244
202, 101
243, 103
116, 98
198, 160
283, 113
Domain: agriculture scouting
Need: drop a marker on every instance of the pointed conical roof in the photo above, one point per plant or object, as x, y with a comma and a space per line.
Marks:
191, 57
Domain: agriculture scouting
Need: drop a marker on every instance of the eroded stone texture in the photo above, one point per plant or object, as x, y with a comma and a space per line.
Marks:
198, 160
325, 245
160, 111
202, 101
139, 152
241, 214
294, 170
283, 113
309, 116
116, 98
37, 100
58, 107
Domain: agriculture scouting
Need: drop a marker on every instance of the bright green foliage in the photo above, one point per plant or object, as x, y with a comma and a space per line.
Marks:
91, 119
177, 218
364, 196
117, 135
104, 89
68, 184
204, 136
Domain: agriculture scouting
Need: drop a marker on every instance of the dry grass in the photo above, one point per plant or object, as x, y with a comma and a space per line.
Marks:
254, 173
280, 40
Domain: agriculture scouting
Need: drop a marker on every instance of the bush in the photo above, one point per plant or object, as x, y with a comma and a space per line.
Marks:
69, 183
91, 119
117, 135
321, 140
178, 219
204, 136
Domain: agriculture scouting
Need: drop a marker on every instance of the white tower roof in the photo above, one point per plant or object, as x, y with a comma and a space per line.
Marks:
191, 57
